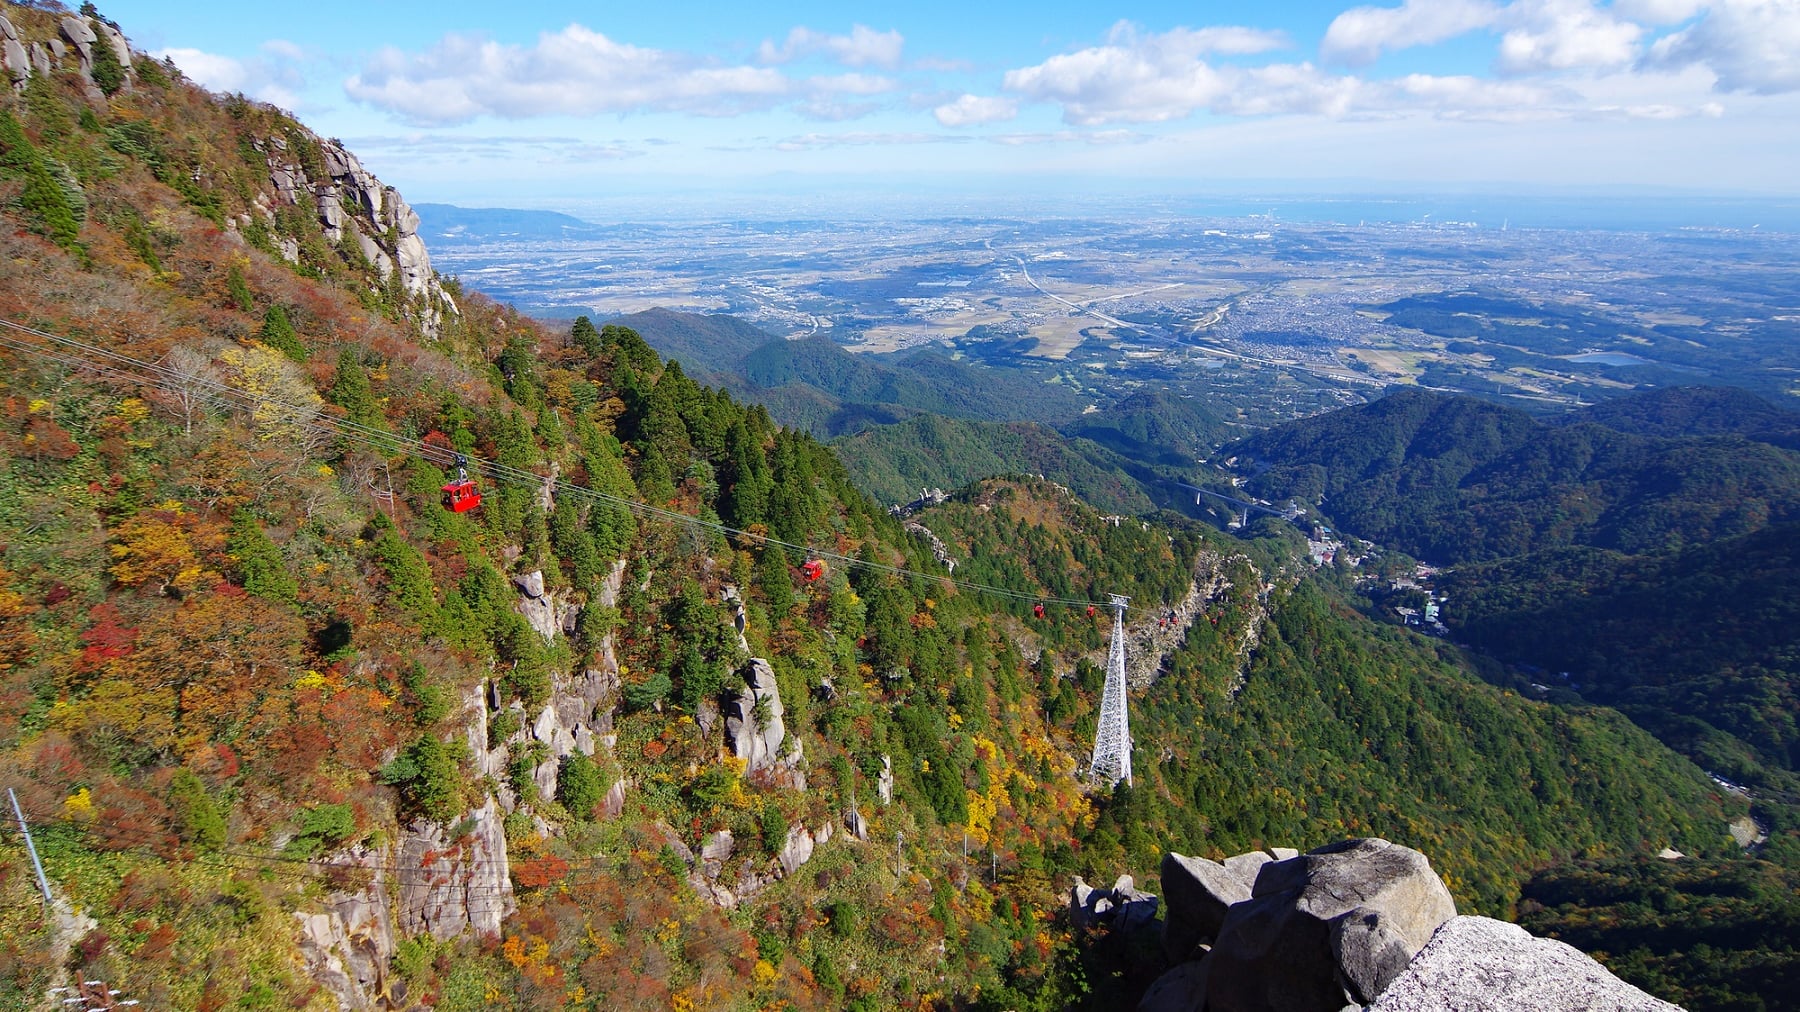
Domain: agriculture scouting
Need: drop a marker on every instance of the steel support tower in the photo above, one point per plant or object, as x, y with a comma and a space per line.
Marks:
1112, 739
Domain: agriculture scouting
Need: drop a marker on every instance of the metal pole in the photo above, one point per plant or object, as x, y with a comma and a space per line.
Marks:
31, 848
897, 868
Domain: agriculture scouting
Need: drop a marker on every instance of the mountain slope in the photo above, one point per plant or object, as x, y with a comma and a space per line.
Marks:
1454, 479
1702, 647
893, 462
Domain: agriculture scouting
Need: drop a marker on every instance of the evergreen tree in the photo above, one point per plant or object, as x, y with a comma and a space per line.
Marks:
280, 335
584, 336
107, 71
259, 563
352, 392
238, 290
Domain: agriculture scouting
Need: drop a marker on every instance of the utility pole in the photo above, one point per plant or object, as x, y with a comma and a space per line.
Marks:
898, 868
1112, 737
31, 848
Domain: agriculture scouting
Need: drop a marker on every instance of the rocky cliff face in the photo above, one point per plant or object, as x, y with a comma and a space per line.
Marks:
356, 208
75, 37
439, 880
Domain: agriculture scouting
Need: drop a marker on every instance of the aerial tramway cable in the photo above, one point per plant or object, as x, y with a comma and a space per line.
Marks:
83, 355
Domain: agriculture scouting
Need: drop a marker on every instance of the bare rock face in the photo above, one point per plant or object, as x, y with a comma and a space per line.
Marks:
452, 886
796, 850
1477, 964
349, 945
715, 850
7, 30
80, 35
17, 63
884, 784
1124, 908
1326, 929
1199, 893
753, 718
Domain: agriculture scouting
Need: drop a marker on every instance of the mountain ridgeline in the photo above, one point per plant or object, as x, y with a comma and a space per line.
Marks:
1455, 479
679, 717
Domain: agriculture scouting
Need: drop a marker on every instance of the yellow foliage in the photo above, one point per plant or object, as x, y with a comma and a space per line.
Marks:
311, 680
763, 972
80, 805
38, 406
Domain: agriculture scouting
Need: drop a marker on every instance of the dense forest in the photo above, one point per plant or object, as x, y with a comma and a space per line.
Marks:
1455, 479
258, 678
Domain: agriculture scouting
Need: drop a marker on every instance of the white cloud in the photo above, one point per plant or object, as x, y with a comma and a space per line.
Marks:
1360, 35
1139, 77
973, 110
1143, 78
813, 142
1750, 45
1657, 12
1555, 35
275, 78
575, 71
863, 47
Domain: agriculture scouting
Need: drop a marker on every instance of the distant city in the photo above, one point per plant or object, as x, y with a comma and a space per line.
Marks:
1277, 314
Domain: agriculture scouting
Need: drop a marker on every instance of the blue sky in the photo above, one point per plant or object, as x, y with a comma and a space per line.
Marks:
552, 104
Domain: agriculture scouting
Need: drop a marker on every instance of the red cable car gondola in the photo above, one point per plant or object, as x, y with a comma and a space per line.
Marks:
1038, 609
461, 495
813, 569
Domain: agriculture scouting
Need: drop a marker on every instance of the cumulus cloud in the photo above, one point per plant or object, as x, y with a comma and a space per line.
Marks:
275, 76
1144, 78
1565, 34
863, 47
1360, 35
575, 71
1139, 77
973, 110
1749, 45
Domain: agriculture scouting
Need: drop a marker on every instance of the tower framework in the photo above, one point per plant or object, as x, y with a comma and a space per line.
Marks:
1112, 739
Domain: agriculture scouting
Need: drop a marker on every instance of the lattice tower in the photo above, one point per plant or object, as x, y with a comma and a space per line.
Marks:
1112, 739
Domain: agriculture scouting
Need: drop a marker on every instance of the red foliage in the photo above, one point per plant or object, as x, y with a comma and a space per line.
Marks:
159, 946
107, 639
537, 872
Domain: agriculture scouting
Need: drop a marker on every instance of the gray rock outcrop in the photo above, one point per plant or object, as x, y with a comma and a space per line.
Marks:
387, 236
1199, 893
1124, 908
1476, 964
753, 725
80, 35
1326, 929
17, 62
349, 944
450, 886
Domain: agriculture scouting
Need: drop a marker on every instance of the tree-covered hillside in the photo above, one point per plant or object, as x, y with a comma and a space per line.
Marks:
1454, 479
1702, 647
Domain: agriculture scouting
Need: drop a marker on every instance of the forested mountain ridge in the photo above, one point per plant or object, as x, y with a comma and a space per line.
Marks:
1702, 646
814, 384
1455, 479
292, 734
